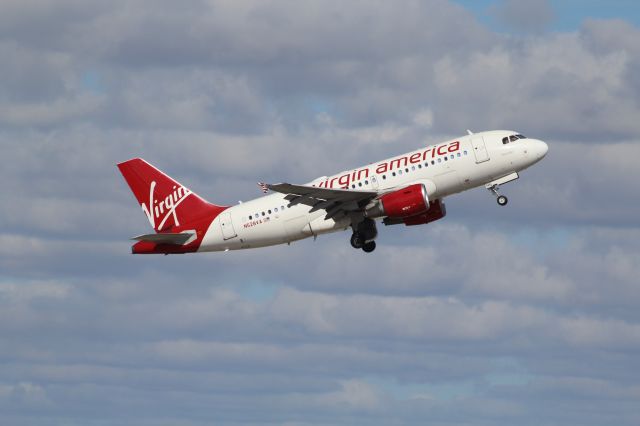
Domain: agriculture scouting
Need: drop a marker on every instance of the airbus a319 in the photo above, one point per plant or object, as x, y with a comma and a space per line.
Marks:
405, 190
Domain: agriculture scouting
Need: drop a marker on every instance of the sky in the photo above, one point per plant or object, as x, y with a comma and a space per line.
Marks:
526, 314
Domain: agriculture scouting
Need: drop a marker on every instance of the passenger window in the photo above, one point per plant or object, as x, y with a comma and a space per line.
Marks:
249, 217
366, 182
452, 156
419, 166
465, 153
384, 177
426, 164
276, 210
400, 171
458, 154
413, 168
359, 183
269, 211
394, 173
262, 213
406, 170
281, 207
353, 185
439, 160
445, 158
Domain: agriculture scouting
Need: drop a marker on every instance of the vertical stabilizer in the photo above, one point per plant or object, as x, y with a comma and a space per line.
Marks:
169, 206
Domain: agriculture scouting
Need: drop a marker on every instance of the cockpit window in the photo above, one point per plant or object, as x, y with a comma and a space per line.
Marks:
512, 138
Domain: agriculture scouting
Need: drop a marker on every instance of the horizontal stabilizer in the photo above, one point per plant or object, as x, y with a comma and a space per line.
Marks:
167, 238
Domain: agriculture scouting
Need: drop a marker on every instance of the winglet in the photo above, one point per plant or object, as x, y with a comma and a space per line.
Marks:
264, 187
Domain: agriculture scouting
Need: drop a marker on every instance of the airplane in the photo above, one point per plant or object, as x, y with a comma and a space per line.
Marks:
408, 189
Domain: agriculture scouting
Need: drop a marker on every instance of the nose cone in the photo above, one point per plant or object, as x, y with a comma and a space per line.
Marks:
539, 149
543, 148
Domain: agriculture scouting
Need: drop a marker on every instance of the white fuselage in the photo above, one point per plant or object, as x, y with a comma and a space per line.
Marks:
445, 169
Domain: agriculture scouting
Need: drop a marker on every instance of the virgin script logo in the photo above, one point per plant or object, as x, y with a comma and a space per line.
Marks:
161, 211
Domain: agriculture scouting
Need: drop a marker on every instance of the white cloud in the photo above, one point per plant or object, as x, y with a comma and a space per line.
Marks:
24, 291
222, 94
60, 110
354, 394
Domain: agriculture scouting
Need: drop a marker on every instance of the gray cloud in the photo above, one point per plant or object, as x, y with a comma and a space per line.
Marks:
195, 69
492, 316
524, 15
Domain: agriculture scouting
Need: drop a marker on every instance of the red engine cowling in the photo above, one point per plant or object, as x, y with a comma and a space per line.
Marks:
406, 202
435, 212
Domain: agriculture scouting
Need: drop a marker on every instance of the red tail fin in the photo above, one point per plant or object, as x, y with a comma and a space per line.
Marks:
169, 206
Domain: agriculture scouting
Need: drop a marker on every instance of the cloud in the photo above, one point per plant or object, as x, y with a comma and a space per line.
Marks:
48, 114
524, 15
354, 394
501, 315
191, 68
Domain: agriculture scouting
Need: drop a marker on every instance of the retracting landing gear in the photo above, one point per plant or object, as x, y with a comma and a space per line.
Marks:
356, 241
501, 199
369, 246
364, 234
495, 186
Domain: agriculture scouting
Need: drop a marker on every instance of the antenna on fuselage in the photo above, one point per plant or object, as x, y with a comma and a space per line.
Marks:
469, 132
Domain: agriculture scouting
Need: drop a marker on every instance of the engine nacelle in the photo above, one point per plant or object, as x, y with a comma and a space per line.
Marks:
403, 203
435, 212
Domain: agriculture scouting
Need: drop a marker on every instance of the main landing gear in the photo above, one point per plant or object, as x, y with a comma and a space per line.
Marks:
358, 243
501, 199
368, 247
356, 240
364, 234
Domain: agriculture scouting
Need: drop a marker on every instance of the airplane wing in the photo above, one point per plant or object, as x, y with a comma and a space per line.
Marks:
334, 201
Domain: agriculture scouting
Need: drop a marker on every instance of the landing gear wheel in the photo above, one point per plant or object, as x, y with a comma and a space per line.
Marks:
502, 200
356, 241
369, 247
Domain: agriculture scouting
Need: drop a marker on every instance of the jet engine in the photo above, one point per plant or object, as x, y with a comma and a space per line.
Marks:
403, 203
435, 212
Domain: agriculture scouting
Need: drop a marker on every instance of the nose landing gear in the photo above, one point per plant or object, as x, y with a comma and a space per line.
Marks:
501, 199
495, 186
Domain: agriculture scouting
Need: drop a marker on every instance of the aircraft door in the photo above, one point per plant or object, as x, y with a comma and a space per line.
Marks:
479, 149
374, 183
226, 225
